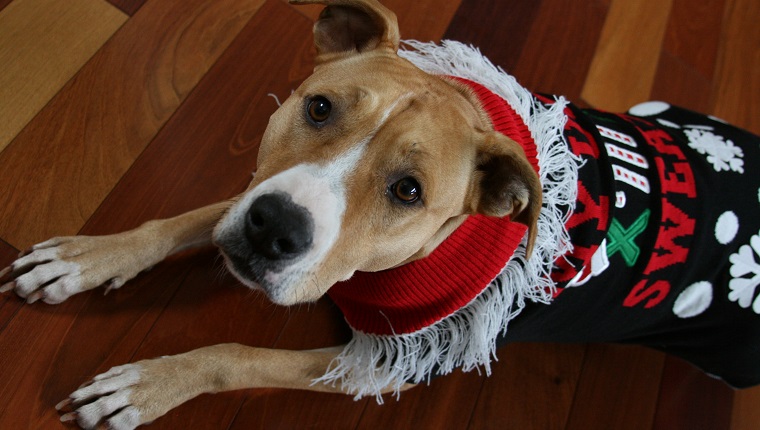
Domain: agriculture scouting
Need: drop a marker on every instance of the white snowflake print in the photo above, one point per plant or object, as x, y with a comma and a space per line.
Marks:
744, 263
722, 154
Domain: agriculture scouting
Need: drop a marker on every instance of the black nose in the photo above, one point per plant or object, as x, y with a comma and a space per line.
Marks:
278, 228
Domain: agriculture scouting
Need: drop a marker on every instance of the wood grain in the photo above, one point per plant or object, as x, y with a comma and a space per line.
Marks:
690, 399
736, 88
9, 304
499, 28
618, 388
43, 43
4, 3
746, 413
130, 7
625, 62
532, 386
556, 58
684, 74
91, 132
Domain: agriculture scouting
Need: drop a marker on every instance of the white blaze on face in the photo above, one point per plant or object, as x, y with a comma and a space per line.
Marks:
321, 190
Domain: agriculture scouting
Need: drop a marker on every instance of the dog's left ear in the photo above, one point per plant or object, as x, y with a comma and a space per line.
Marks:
353, 26
505, 183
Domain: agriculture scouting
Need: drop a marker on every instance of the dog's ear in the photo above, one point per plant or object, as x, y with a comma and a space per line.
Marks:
353, 26
505, 183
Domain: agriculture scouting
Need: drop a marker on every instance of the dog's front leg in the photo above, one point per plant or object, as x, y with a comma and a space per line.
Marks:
55, 270
134, 394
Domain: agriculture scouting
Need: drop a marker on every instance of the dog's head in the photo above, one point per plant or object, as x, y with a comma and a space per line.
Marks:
368, 165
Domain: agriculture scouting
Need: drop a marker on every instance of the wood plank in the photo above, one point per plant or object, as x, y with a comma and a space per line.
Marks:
230, 314
695, 24
130, 7
9, 304
624, 67
737, 84
43, 43
532, 386
684, 74
556, 56
447, 402
499, 28
313, 326
4, 3
84, 140
689, 399
681, 84
48, 351
618, 388
745, 414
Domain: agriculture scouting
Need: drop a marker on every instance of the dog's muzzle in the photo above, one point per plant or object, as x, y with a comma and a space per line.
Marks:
277, 228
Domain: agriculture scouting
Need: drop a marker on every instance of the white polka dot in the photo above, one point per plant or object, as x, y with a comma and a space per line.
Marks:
726, 227
649, 108
694, 300
667, 123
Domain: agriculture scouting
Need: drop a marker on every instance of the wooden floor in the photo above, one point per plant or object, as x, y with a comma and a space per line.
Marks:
115, 113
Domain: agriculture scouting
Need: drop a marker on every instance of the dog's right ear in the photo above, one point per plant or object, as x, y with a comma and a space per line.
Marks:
353, 26
505, 183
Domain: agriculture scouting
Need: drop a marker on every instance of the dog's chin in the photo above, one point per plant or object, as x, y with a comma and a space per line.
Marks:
280, 290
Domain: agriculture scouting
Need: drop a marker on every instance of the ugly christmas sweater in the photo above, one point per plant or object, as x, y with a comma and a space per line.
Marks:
649, 234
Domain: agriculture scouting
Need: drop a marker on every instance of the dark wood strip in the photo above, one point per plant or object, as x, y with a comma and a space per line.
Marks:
309, 327
689, 399
447, 402
9, 303
499, 28
693, 33
684, 74
130, 7
4, 3
560, 46
532, 386
618, 388
48, 351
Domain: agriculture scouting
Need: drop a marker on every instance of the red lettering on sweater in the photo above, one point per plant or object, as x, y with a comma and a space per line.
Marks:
588, 209
676, 176
674, 224
654, 293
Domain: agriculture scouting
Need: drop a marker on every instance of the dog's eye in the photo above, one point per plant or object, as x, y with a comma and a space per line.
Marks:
319, 109
406, 190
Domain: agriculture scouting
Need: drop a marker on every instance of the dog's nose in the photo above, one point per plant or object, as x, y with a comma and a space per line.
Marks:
278, 228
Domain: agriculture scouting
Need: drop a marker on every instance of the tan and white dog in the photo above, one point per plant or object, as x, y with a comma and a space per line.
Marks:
354, 152
374, 164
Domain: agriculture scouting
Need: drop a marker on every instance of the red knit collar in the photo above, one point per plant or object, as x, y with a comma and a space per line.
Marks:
418, 294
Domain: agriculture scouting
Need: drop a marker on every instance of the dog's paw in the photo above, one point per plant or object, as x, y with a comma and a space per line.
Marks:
57, 269
105, 401
133, 394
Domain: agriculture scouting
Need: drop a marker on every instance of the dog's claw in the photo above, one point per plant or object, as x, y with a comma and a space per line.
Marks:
69, 417
63, 404
34, 297
7, 287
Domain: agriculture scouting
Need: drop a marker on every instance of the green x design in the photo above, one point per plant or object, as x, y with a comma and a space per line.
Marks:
623, 240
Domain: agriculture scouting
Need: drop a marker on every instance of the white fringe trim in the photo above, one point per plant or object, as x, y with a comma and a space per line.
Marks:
467, 339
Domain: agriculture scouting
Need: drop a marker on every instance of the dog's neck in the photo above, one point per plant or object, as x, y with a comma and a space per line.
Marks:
413, 296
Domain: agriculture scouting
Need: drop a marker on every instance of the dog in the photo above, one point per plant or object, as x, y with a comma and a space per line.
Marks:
438, 202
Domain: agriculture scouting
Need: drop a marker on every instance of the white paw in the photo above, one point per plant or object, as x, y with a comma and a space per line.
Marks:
57, 269
106, 400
